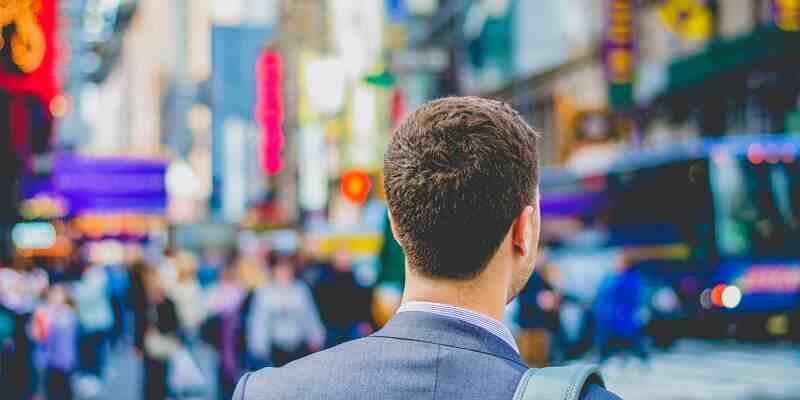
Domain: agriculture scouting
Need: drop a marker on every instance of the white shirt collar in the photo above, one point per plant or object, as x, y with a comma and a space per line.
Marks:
485, 322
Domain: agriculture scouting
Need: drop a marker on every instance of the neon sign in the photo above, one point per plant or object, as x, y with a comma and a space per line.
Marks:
269, 110
27, 43
786, 14
31, 48
771, 279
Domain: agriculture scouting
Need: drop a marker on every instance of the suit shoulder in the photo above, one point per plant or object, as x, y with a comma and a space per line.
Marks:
396, 368
283, 382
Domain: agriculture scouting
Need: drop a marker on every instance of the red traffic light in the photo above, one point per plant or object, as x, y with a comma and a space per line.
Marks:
356, 185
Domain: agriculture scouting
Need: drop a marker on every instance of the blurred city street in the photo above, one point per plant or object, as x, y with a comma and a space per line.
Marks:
205, 184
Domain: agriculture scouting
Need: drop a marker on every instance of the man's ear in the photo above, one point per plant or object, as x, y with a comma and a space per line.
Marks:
521, 238
393, 226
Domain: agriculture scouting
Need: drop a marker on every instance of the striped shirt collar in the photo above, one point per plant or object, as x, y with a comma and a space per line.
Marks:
489, 324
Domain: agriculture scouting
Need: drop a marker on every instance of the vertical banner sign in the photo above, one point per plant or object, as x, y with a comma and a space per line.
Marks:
269, 110
786, 14
619, 51
30, 49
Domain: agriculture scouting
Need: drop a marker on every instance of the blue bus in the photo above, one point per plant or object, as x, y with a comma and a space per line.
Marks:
711, 225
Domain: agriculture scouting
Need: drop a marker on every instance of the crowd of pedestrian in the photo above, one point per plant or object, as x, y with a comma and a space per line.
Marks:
59, 321
555, 322
256, 306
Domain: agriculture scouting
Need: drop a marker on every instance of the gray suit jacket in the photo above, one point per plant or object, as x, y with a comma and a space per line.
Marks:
416, 355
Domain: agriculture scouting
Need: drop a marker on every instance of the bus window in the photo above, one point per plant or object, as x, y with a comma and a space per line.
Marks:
669, 203
757, 207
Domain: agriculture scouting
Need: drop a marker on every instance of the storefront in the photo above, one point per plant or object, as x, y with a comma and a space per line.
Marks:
103, 206
747, 84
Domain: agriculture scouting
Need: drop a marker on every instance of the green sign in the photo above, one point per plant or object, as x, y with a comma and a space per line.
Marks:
793, 122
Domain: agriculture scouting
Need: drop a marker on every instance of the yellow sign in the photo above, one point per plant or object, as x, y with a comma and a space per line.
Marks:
688, 18
359, 244
28, 43
787, 15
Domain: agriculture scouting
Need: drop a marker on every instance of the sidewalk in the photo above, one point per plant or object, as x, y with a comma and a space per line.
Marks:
124, 375
710, 370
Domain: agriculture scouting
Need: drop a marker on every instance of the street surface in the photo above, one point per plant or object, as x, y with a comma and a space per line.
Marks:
709, 370
124, 373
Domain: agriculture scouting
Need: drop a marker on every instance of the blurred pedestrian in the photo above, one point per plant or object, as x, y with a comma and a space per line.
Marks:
187, 295
666, 311
137, 301
57, 270
619, 314
92, 296
119, 283
21, 287
538, 319
225, 329
160, 336
59, 340
309, 261
284, 322
345, 305
252, 273
210, 267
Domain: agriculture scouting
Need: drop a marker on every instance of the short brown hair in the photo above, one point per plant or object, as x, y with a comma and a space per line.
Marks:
458, 171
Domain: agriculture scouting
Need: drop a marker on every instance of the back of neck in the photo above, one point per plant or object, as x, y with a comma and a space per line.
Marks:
478, 295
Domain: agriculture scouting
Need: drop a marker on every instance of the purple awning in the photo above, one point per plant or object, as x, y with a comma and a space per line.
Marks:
104, 184
572, 203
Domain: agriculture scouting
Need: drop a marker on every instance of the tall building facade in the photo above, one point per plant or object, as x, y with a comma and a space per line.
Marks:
618, 71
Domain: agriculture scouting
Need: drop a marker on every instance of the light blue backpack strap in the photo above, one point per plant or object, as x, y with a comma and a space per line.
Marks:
557, 383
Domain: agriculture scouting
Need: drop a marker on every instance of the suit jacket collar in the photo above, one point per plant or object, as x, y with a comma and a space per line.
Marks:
447, 331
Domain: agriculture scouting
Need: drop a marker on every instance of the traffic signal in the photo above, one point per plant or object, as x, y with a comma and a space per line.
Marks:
356, 185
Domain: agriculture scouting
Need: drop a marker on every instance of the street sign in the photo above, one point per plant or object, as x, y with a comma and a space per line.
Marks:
690, 19
430, 59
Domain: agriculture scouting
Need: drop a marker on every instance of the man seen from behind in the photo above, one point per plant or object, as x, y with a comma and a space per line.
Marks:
461, 182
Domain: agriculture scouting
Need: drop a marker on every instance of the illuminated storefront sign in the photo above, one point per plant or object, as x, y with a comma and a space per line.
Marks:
771, 279
108, 185
30, 46
27, 42
786, 14
122, 225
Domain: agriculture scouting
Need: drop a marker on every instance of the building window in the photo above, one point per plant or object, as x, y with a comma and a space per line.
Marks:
762, 15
